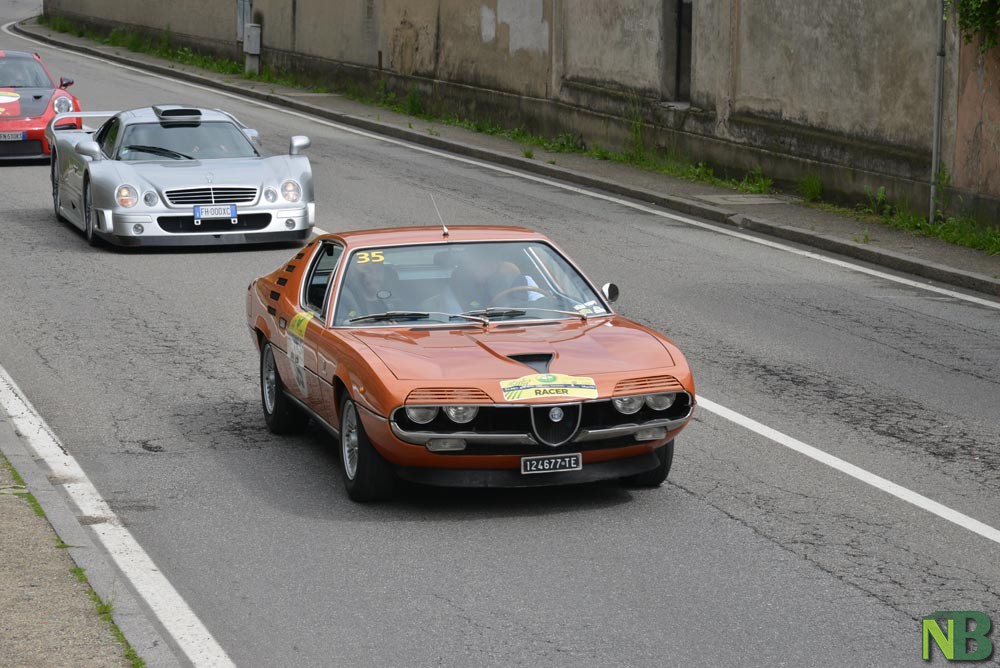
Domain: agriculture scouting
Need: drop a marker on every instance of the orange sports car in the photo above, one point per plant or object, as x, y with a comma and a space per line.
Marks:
475, 356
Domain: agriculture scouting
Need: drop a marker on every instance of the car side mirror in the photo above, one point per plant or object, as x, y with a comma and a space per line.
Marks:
298, 143
65, 82
252, 135
610, 291
89, 149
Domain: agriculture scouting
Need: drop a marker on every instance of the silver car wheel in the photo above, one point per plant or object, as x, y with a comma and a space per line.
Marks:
349, 440
88, 215
55, 186
269, 380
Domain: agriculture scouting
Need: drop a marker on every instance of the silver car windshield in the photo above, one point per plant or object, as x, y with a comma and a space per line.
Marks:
23, 73
185, 141
434, 284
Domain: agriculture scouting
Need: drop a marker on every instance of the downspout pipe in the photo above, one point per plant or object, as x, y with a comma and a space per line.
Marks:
938, 103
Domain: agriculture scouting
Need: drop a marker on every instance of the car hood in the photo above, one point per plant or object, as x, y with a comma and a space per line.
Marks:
244, 172
24, 102
608, 346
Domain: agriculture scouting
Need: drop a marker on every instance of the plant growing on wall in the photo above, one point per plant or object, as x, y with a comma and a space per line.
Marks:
978, 18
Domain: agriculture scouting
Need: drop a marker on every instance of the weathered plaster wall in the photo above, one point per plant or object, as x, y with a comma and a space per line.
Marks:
618, 45
977, 146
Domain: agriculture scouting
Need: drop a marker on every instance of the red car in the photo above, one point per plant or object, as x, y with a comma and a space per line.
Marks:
29, 98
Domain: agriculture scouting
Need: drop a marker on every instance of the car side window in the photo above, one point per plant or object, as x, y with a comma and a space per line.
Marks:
109, 137
317, 291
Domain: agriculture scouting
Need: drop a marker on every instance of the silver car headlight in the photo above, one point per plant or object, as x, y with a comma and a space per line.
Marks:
271, 195
149, 198
661, 402
628, 405
421, 414
62, 105
126, 196
291, 191
461, 414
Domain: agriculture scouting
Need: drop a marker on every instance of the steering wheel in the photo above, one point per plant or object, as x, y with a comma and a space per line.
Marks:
519, 288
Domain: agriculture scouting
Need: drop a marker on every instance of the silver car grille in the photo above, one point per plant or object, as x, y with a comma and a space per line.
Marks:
211, 195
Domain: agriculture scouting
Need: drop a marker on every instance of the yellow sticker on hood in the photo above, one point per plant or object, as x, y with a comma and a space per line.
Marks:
297, 327
549, 385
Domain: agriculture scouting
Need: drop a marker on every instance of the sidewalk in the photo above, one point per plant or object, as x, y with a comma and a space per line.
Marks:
777, 215
47, 614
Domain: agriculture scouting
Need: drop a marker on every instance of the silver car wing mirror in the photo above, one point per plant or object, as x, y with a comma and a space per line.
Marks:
298, 143
252, 135
89, 149
610, 291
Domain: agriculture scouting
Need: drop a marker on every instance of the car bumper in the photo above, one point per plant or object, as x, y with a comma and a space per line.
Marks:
34, 145
174, 228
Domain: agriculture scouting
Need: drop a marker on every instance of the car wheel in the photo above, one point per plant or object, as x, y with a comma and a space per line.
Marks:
282, 416
654, 477
367, 475
88, 216
56, 195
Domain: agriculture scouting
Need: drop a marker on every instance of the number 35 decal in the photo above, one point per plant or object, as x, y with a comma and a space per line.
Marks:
364, 257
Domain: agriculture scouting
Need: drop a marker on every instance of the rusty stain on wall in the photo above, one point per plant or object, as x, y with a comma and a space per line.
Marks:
977, 141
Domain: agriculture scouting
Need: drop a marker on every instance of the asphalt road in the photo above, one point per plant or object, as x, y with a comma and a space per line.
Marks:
751, 554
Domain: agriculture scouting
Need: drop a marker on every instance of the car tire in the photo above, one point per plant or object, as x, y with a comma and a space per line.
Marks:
56, 194
280, 413
367, 475
88, 215
654, 477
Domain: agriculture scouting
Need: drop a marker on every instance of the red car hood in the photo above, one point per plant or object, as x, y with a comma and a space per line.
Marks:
607, 346
22, 102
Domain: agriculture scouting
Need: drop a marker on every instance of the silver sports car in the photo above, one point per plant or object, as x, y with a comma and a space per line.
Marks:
173, 175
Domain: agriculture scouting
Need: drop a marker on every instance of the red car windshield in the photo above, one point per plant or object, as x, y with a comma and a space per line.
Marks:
23, 73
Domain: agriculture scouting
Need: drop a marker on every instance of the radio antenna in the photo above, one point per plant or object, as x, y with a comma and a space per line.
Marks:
444, 227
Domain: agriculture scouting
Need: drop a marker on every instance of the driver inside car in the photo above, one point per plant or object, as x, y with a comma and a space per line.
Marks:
483, 280
368, 289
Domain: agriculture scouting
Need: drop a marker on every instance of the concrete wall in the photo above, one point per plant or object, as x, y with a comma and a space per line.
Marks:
841, 88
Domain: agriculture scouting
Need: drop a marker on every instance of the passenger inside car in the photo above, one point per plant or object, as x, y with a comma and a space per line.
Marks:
481, 279
368, 288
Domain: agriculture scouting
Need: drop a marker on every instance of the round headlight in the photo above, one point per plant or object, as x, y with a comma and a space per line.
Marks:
271, 195
421, 414
126, 196
627, 405
660, 402
149, 198
62, 105
461, 414
291, 191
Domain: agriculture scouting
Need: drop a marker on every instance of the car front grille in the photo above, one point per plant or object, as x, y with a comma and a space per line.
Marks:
185, 224
211, 195
555, 432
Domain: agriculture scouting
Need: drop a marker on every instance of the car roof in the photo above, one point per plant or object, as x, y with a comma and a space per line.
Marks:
148, 115
18, 54
435, 234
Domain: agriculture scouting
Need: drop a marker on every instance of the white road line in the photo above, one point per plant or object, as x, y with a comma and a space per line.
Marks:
543, 180
855, 472
818, 455
151, 585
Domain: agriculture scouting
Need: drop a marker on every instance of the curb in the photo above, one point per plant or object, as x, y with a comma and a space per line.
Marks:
129, 613
888, 259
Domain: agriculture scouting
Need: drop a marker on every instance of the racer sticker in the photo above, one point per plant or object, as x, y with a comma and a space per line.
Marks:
297, 350
555, 385
590, 308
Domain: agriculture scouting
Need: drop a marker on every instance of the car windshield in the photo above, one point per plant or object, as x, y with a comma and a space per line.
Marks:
462, 284
23, 73
185, 141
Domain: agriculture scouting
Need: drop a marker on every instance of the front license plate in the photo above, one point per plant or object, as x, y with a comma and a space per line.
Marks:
218, 211
13, 136
551, 463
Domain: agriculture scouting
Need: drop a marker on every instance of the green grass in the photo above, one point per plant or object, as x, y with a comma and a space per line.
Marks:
105, 610
19, 481
528, 153
809, 187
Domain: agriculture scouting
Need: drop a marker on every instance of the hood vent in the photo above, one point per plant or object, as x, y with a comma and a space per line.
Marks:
537, 361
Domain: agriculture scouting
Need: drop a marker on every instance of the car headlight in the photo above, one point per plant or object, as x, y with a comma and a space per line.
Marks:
291, 191
126, 196
271, 195
62, 105
149, 198
628, 405
461, 414
421, 414
660, 402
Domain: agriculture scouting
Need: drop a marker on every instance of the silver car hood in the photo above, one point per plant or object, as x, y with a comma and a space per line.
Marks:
247, 172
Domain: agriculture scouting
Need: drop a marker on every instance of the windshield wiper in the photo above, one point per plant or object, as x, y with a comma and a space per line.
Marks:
157, 150
498, 312
405, 315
